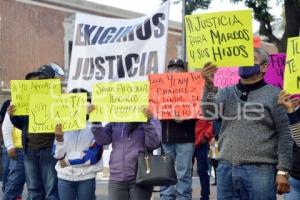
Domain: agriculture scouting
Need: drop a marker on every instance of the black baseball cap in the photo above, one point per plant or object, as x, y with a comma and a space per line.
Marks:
176, 62
43, 72
47, 71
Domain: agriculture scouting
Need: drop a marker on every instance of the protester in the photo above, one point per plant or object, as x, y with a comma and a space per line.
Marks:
255, 142
79, 161
204, 134
16, 176
292, 107
4, 157
128, 140
178, 138
41, 177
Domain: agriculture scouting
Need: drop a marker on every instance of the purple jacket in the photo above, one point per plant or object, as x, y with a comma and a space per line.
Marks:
126, 147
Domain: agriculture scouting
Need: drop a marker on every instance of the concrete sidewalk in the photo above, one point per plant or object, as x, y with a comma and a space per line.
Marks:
101, 191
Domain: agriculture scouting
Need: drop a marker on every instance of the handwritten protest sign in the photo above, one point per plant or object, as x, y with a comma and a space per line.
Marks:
292, 66
225, 38
22, 89
120, 101
225, 77
176, 95
275, 70
67, 109
17, 138
110, 49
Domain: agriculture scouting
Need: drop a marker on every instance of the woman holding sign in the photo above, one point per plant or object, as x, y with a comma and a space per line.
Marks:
78, 158
128, 140
290, 104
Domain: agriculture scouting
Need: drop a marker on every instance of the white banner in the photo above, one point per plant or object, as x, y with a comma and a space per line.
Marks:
109, 49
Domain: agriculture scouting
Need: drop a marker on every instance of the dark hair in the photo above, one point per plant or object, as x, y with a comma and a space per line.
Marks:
81, 90
31, 75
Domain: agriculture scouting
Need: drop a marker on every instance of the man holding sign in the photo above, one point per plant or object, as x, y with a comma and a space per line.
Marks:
39, 164
178, 141
255, 142
292, 72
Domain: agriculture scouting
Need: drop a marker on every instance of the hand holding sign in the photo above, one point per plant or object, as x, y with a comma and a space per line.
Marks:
11, 110
208, 72
287, 101
148, 113
90, 108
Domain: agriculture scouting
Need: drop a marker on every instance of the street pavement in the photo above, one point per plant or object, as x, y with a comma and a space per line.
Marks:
101, 191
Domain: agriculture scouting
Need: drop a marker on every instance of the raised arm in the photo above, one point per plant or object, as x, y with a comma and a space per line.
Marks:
103, 135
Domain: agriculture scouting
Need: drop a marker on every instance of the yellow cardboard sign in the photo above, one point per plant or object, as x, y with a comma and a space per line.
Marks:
22, 89
17, 138
292, 66
224, 38
67, 109
120, 101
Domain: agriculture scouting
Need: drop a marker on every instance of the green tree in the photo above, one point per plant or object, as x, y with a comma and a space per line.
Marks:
261, 9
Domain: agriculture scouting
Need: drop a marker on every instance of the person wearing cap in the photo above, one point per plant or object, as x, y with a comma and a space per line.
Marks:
41, 177
47, 71
178, 138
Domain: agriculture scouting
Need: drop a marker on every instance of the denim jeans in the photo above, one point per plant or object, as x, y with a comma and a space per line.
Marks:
246, 182
41, 177
295, 190
76, 190
5, 167
201, 154
16, 177
128, 190
182, 153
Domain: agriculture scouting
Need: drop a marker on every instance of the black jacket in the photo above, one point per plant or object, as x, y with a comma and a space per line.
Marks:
174, 132
295, 172
22, 122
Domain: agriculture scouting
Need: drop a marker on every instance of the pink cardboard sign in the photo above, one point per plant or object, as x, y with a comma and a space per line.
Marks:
225, 77
275, 71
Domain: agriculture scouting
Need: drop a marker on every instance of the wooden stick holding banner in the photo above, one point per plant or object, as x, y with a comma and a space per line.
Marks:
120, 101
67, 109
225, 38
176, 95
